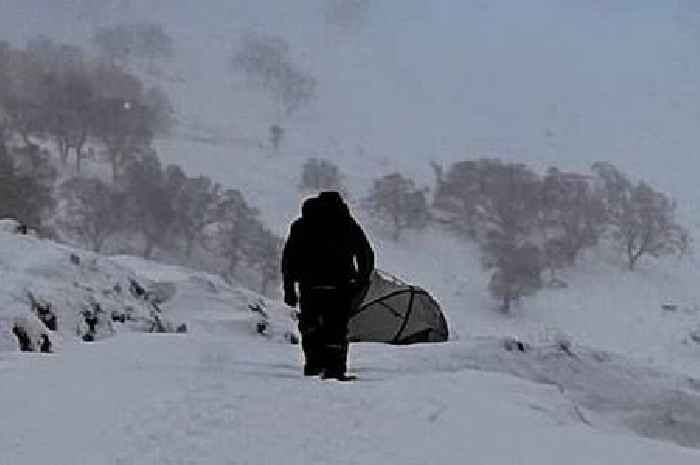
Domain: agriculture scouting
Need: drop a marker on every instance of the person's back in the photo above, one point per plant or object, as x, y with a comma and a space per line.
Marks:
326, 246
298, 244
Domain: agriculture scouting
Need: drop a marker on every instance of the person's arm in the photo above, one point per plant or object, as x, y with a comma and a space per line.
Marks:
364, 255
290, 264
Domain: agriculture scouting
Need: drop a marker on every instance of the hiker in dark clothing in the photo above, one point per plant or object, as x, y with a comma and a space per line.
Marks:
292, 256
328, 255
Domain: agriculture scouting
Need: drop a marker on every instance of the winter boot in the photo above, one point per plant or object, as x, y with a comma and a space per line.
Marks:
311, 370
331, 374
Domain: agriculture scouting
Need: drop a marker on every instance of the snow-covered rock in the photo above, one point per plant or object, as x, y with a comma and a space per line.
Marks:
91, 299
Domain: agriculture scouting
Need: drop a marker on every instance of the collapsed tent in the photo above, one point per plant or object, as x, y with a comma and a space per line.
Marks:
394, 312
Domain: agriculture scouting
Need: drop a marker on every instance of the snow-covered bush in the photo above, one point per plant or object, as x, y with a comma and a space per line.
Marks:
31, 335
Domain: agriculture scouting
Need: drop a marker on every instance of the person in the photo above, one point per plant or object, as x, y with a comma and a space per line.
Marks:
329, 257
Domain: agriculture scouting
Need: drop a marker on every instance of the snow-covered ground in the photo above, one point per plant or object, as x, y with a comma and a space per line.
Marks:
228, 399
74, 281
223, 394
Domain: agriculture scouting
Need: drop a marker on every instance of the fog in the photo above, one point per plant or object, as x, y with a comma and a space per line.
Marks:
177, 147
544, 81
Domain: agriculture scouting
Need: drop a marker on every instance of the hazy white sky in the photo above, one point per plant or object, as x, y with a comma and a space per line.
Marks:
543, 81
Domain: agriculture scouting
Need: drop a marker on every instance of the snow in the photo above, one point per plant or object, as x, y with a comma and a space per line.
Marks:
223, 394
608, 377
604, 306
29, 264
167, 399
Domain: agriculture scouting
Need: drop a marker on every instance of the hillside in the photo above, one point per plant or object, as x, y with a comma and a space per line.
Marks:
222, 392
74, 282
610, 366
394, 106
604, 305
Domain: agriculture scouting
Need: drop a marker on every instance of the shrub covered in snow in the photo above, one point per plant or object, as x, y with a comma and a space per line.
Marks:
51, 292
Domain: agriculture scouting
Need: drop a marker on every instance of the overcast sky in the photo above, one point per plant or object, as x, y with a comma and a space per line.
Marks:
568, 81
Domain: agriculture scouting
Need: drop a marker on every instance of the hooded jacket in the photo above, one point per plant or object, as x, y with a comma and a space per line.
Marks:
326, 246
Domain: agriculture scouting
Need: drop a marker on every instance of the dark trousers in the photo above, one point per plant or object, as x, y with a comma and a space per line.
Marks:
323, 324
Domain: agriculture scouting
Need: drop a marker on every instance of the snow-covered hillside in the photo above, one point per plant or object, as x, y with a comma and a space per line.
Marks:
222, 393
604, 305
78, 284
610, 366
565, 111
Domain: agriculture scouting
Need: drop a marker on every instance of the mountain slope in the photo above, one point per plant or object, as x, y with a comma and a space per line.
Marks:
223, 394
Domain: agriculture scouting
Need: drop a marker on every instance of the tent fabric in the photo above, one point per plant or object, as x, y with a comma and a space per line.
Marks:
394, 312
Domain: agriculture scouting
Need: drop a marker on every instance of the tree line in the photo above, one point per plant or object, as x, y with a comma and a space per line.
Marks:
526, 225
156, 207
56, 93
58, 102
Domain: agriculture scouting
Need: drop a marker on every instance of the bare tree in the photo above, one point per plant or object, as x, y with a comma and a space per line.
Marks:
319, 175
5, 131
195, 200
5, 76
161, 110
395, 198
276, 136
56, 90
263, 253
126, 119
235, 224
93, 211
496, 203
124, 127
24, 195
643, 219
518, 269
68, 111
456, 196
33, 161
24, 117
507, 205
21, 75
265, 61
571, 217
114, 83
151, 208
